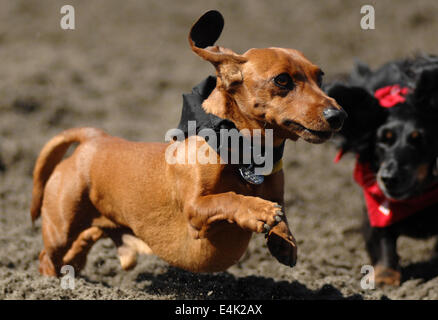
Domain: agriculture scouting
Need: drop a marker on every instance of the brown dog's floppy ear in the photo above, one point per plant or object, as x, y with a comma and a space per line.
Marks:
202, 37
207, 29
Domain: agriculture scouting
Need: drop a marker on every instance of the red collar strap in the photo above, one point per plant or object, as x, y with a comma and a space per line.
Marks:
382, 211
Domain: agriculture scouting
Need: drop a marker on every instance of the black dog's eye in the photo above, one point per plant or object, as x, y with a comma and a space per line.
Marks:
387, 137
415, 137
284, 81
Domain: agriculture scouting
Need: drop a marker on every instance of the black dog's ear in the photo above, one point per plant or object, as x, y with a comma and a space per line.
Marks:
426, 90
364, 116
360, 74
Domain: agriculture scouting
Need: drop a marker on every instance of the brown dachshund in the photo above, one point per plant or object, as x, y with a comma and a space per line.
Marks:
198, 217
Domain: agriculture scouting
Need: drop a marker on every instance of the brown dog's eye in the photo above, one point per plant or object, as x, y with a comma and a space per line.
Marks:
284, 81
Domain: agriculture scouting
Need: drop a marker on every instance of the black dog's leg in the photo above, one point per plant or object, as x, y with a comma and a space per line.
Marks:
372, 241
387, 269
381, 245
389, 257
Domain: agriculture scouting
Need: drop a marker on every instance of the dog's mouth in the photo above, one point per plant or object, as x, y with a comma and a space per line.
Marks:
399, 192
309, 135
405, 184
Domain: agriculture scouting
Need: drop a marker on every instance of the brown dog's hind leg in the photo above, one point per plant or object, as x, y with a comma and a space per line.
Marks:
60, 250
67, 216
128, 246
56, 244
46, 267
77, 255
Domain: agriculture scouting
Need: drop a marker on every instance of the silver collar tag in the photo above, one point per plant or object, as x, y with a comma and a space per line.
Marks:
249, 176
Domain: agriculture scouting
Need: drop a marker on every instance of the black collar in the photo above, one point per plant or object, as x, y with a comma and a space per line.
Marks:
193, 111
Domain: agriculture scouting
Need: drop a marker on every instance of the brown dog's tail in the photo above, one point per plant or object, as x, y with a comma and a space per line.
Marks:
50, 156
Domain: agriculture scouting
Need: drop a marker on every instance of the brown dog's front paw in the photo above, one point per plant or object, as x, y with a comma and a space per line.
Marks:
282, 245
261, 217
386, 276
270, 215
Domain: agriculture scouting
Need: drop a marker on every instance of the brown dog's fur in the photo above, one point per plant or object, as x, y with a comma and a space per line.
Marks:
196, 217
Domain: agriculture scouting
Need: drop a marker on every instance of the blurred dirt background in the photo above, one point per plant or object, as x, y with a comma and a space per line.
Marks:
124, 69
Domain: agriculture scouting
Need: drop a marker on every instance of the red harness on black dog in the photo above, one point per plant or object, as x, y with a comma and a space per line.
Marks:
383, 211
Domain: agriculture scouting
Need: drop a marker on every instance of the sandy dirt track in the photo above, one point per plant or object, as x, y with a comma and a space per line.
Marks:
124, 69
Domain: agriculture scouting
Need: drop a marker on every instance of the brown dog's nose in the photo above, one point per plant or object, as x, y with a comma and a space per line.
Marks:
334, 117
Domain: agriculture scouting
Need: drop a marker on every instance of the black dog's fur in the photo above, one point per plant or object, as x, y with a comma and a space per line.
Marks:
400, 158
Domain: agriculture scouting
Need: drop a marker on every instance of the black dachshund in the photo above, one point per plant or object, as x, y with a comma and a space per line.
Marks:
392, 127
